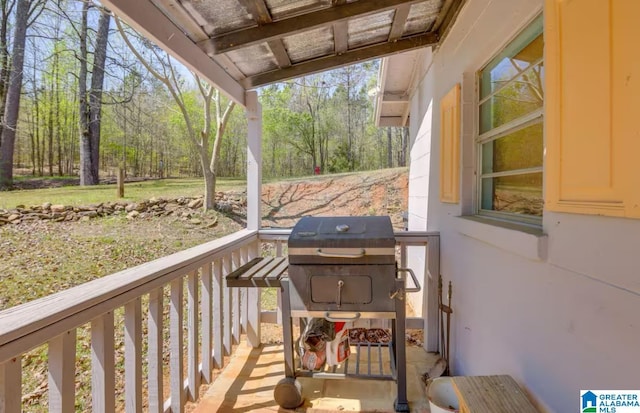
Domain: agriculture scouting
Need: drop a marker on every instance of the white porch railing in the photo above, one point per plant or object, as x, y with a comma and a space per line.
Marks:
215, 318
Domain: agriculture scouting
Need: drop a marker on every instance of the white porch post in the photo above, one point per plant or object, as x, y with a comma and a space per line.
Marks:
254, 160
254, 200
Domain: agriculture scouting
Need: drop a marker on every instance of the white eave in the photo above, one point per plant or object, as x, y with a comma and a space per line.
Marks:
398, 79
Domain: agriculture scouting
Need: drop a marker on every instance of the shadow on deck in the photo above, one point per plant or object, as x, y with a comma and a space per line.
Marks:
247, 382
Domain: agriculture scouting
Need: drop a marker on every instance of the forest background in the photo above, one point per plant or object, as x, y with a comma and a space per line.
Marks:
324, 120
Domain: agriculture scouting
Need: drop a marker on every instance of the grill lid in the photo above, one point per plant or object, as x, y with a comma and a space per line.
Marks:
349, 240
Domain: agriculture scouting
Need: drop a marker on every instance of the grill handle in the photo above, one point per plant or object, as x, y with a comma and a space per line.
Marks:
328, 317
414, 278
338, 255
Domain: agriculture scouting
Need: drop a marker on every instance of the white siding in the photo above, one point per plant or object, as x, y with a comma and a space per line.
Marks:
559, 313
420, 157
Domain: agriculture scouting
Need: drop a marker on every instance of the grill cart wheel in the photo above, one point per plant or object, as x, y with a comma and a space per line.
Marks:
288, 393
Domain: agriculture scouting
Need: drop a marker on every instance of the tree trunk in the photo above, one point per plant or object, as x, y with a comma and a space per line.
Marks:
12, 109
90, 111
57, 111
36, 130
95, 95
86, 177
221, 124
403, 147
4, 54
209, 187
50, 127
389, 149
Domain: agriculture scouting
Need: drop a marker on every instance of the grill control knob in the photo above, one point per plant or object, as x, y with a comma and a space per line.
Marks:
342, 228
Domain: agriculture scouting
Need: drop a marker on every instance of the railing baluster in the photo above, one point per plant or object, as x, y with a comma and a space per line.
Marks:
133, 355
55, 324
62, 372
176, 352
11, 385
235, 293
103, 380
154, 351
244, 258
279, 291
207, 319
193, 373
218, 287
254, 306
227, 306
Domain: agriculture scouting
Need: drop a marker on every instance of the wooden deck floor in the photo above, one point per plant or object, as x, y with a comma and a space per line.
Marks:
247, 383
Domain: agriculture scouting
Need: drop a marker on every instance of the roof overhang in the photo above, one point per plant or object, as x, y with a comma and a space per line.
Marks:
244, 44
399, 76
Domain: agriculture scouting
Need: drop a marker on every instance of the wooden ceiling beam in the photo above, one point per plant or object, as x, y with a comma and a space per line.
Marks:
204, 29
449, 17
280, 53
261, 15
258, 10
297, 24
340, 37
227, 64
399, 20
331, 62
207, 28
446, 5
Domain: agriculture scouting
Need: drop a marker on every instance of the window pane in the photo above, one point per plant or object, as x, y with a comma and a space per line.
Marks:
525, 50
521, 97
518, 150
518, 194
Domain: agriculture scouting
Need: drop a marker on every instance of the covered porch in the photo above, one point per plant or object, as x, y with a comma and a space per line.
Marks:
175, 339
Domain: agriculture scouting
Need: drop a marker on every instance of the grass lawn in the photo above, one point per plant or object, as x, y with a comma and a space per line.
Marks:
135, 191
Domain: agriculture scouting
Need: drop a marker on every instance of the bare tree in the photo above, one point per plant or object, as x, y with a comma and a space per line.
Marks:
14, 89
91, 102
6, 6
208, 153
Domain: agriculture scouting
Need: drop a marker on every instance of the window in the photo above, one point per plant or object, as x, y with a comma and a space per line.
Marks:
510, 130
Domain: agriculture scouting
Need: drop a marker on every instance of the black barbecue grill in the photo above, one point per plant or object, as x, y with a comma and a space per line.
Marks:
341, 269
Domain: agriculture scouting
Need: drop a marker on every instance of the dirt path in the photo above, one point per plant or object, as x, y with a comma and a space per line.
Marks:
370, 193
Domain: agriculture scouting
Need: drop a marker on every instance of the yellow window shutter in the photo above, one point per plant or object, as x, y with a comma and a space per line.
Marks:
450, 146
592, 96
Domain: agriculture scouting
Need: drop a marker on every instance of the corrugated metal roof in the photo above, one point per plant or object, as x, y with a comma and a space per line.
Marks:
309, 45
223, 15
281, 9
253, 59
370, 29
265, 41
422, 16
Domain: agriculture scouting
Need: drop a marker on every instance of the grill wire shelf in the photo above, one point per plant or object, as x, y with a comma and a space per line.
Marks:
373, 361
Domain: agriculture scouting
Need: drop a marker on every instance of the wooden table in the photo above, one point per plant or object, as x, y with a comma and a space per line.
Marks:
491, 394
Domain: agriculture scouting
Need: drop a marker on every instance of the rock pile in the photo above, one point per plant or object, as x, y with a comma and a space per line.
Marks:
182, 207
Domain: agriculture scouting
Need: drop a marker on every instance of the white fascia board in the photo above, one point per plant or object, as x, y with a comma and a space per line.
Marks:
382, 78
145, 17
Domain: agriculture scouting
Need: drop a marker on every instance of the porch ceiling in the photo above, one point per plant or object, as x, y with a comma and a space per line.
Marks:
258, 42
397, 79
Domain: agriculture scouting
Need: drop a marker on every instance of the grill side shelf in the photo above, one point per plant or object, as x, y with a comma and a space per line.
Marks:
260, 272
